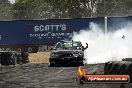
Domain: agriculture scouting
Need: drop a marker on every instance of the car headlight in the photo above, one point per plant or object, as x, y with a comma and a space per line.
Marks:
78, 54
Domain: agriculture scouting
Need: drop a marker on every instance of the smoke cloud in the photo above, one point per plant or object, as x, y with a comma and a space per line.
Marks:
113, 46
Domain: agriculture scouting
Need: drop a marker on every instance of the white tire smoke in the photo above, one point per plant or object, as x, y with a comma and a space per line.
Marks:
105, 47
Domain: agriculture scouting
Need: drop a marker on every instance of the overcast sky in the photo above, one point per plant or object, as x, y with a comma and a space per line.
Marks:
12, 1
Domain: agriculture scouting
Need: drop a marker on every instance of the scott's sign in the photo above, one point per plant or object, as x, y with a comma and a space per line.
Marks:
57, 27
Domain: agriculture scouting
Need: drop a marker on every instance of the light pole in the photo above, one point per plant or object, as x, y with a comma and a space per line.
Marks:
106, 26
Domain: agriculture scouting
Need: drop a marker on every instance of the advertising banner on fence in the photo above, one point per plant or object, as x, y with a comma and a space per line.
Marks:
42, 31
118, 23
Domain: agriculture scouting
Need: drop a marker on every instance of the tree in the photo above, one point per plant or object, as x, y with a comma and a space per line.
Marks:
4, 2
43, 9
73, 8
5, 10
24, 9
114, 8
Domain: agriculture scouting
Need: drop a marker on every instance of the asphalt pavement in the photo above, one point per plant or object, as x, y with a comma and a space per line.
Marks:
42, 76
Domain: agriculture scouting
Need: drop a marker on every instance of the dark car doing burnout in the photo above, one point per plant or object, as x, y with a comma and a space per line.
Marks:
67, 52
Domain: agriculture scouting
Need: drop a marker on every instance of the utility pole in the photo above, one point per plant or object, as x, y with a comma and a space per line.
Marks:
106, 25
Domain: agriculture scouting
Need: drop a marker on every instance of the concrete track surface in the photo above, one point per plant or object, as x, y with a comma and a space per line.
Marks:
42, 76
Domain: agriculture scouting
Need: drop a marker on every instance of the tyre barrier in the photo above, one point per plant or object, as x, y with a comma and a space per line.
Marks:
24, 54
115, 68
25, 58
106, 64
12, 57
119, 67
107, 68
8, 58
127, 59
19, 58
29, 49
19, 50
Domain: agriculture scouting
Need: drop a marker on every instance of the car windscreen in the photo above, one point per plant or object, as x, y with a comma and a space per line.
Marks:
71, 45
